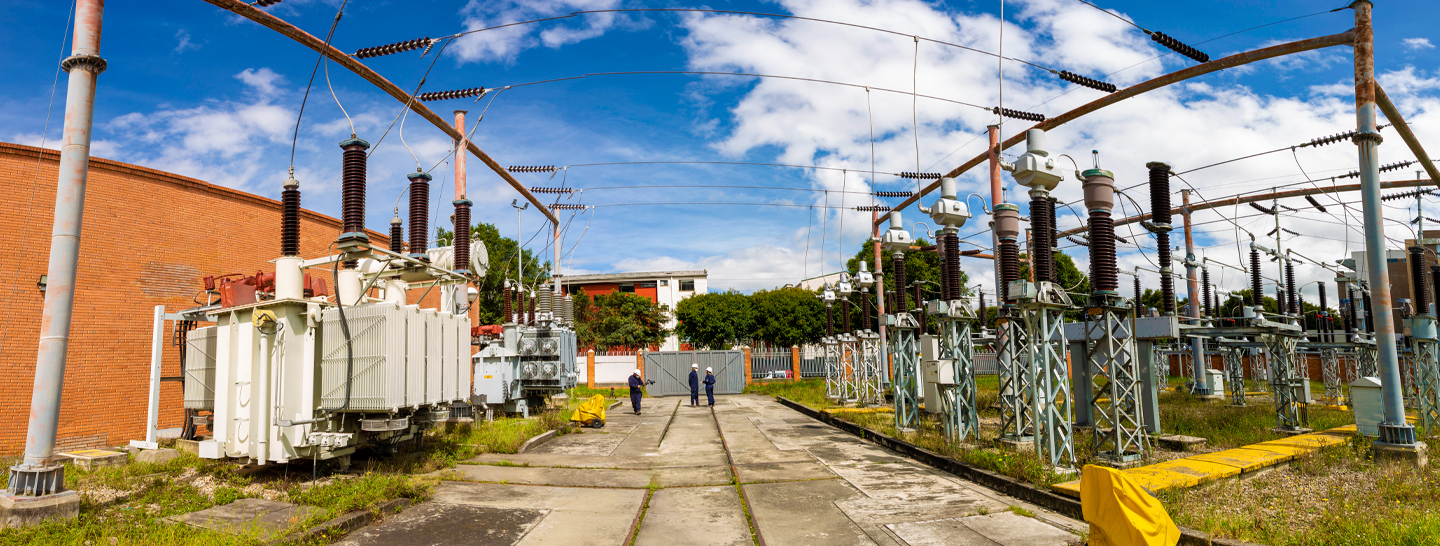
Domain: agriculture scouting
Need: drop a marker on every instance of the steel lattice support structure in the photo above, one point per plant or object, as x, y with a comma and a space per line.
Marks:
1115, 388
872, 369
1284, 381
833, 368
1234, 374
905, 351
1330, 374
1259, 364
1016, 384
1409, 387
850, 365
1423, 341
959, 417
1050, 388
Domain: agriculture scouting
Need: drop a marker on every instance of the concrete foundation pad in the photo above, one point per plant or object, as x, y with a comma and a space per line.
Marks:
1414, 454
90, 459
157, 456
576, 515
435, 524
695, 515
27, 511
782, 472
1292, 431
261, 518
1005, 529
1018, 446
1180, 442
804, 513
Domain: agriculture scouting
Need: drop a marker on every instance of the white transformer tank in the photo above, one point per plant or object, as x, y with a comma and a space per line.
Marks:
404, 358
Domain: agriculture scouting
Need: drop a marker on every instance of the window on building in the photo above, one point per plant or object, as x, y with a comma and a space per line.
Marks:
650, 284
687, 286
664, 282
628, 287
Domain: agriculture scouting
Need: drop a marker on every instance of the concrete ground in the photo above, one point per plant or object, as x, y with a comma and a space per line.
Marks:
677, 474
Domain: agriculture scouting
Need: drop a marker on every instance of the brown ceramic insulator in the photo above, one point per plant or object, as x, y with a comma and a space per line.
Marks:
1104, 274
952, 267
1205, 291
1292, 298
507, 316
462, 236
1039, 238
897, 262
1051, 238
397, 237
1009, 268
290, 222
1435, 284
419, 213
1256, 296
1417, 279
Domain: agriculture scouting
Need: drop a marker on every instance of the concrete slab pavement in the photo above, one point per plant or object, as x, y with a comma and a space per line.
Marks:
804, 483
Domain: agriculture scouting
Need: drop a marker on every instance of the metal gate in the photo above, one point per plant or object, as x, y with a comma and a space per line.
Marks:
670, 370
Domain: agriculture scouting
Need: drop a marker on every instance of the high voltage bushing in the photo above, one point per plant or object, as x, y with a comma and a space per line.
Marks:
1320, 316
1347, 308
1292, 298
352, 192
1160, 216
1369, 314
290, 218
544, 189
567, 206
1205, 289
1417, 279
873, 208
397, 234
1256, 296
1027, 116
1138, 291
507, 314
390, 49
1435, 285
1178, 47
1050, 238
920, 176
952, 266
462, 235
419, 214
897, 271
1086, 82
1007, 230
1099, 187
531, 169
447, 95
894, 193
1404, 194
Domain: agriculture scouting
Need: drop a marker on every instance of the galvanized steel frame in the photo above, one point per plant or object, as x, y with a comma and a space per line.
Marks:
1283, 380
905, 352
959, 418
1016, 384
1118, 428
1234, 374
1050, 398
872, 369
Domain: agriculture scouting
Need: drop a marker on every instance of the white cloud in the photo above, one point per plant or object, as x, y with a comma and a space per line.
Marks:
264, 80
504, 44
1414, 44
183, 37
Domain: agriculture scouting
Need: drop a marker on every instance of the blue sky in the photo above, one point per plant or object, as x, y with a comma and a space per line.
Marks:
194, 90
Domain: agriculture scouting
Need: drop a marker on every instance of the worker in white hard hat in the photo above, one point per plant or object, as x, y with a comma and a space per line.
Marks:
694, 385
635, 384
710, 386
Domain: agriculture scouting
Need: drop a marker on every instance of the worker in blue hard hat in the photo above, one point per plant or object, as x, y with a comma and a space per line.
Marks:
635, 384
694, 385
710, 385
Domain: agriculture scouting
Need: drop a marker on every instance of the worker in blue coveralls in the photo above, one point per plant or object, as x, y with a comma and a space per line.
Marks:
710, 386
694, 385
635, 384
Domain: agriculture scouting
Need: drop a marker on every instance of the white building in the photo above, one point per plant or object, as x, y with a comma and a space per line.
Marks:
663, 287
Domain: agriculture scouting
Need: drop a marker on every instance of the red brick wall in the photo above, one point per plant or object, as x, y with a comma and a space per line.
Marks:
147, 239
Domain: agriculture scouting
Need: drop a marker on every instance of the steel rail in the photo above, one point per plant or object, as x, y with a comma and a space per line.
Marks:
1240, 200
1239, 59
341, 58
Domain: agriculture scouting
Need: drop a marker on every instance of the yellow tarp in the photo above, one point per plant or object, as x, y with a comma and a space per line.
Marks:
1121, 513
591, 412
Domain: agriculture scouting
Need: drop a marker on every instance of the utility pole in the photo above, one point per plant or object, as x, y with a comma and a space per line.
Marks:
1397, 437
1197, 345
37, 485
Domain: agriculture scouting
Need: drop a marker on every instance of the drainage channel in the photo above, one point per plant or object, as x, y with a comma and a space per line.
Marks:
735, 476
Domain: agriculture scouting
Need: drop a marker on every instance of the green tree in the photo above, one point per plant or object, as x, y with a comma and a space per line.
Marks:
716, 320
619, 320
786, 317
501, 251
921, 266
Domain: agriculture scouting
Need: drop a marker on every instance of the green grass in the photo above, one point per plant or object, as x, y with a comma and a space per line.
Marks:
1339, 496
809, 392
1226, 426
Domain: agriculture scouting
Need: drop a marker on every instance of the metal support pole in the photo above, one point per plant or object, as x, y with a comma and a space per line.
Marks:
156, 357
1394, 430
1197, 345
39, 475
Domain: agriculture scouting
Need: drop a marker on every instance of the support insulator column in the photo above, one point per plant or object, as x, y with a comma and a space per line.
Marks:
897, 263
1435, 284
1292, 297
1256, 296
1417, 279
1007, 229
462, 236
1205, 290
1040, 233
507, 314
397, 234
290, 217
1322, 316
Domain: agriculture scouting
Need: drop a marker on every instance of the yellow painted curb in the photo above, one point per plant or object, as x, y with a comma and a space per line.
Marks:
1244, 459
